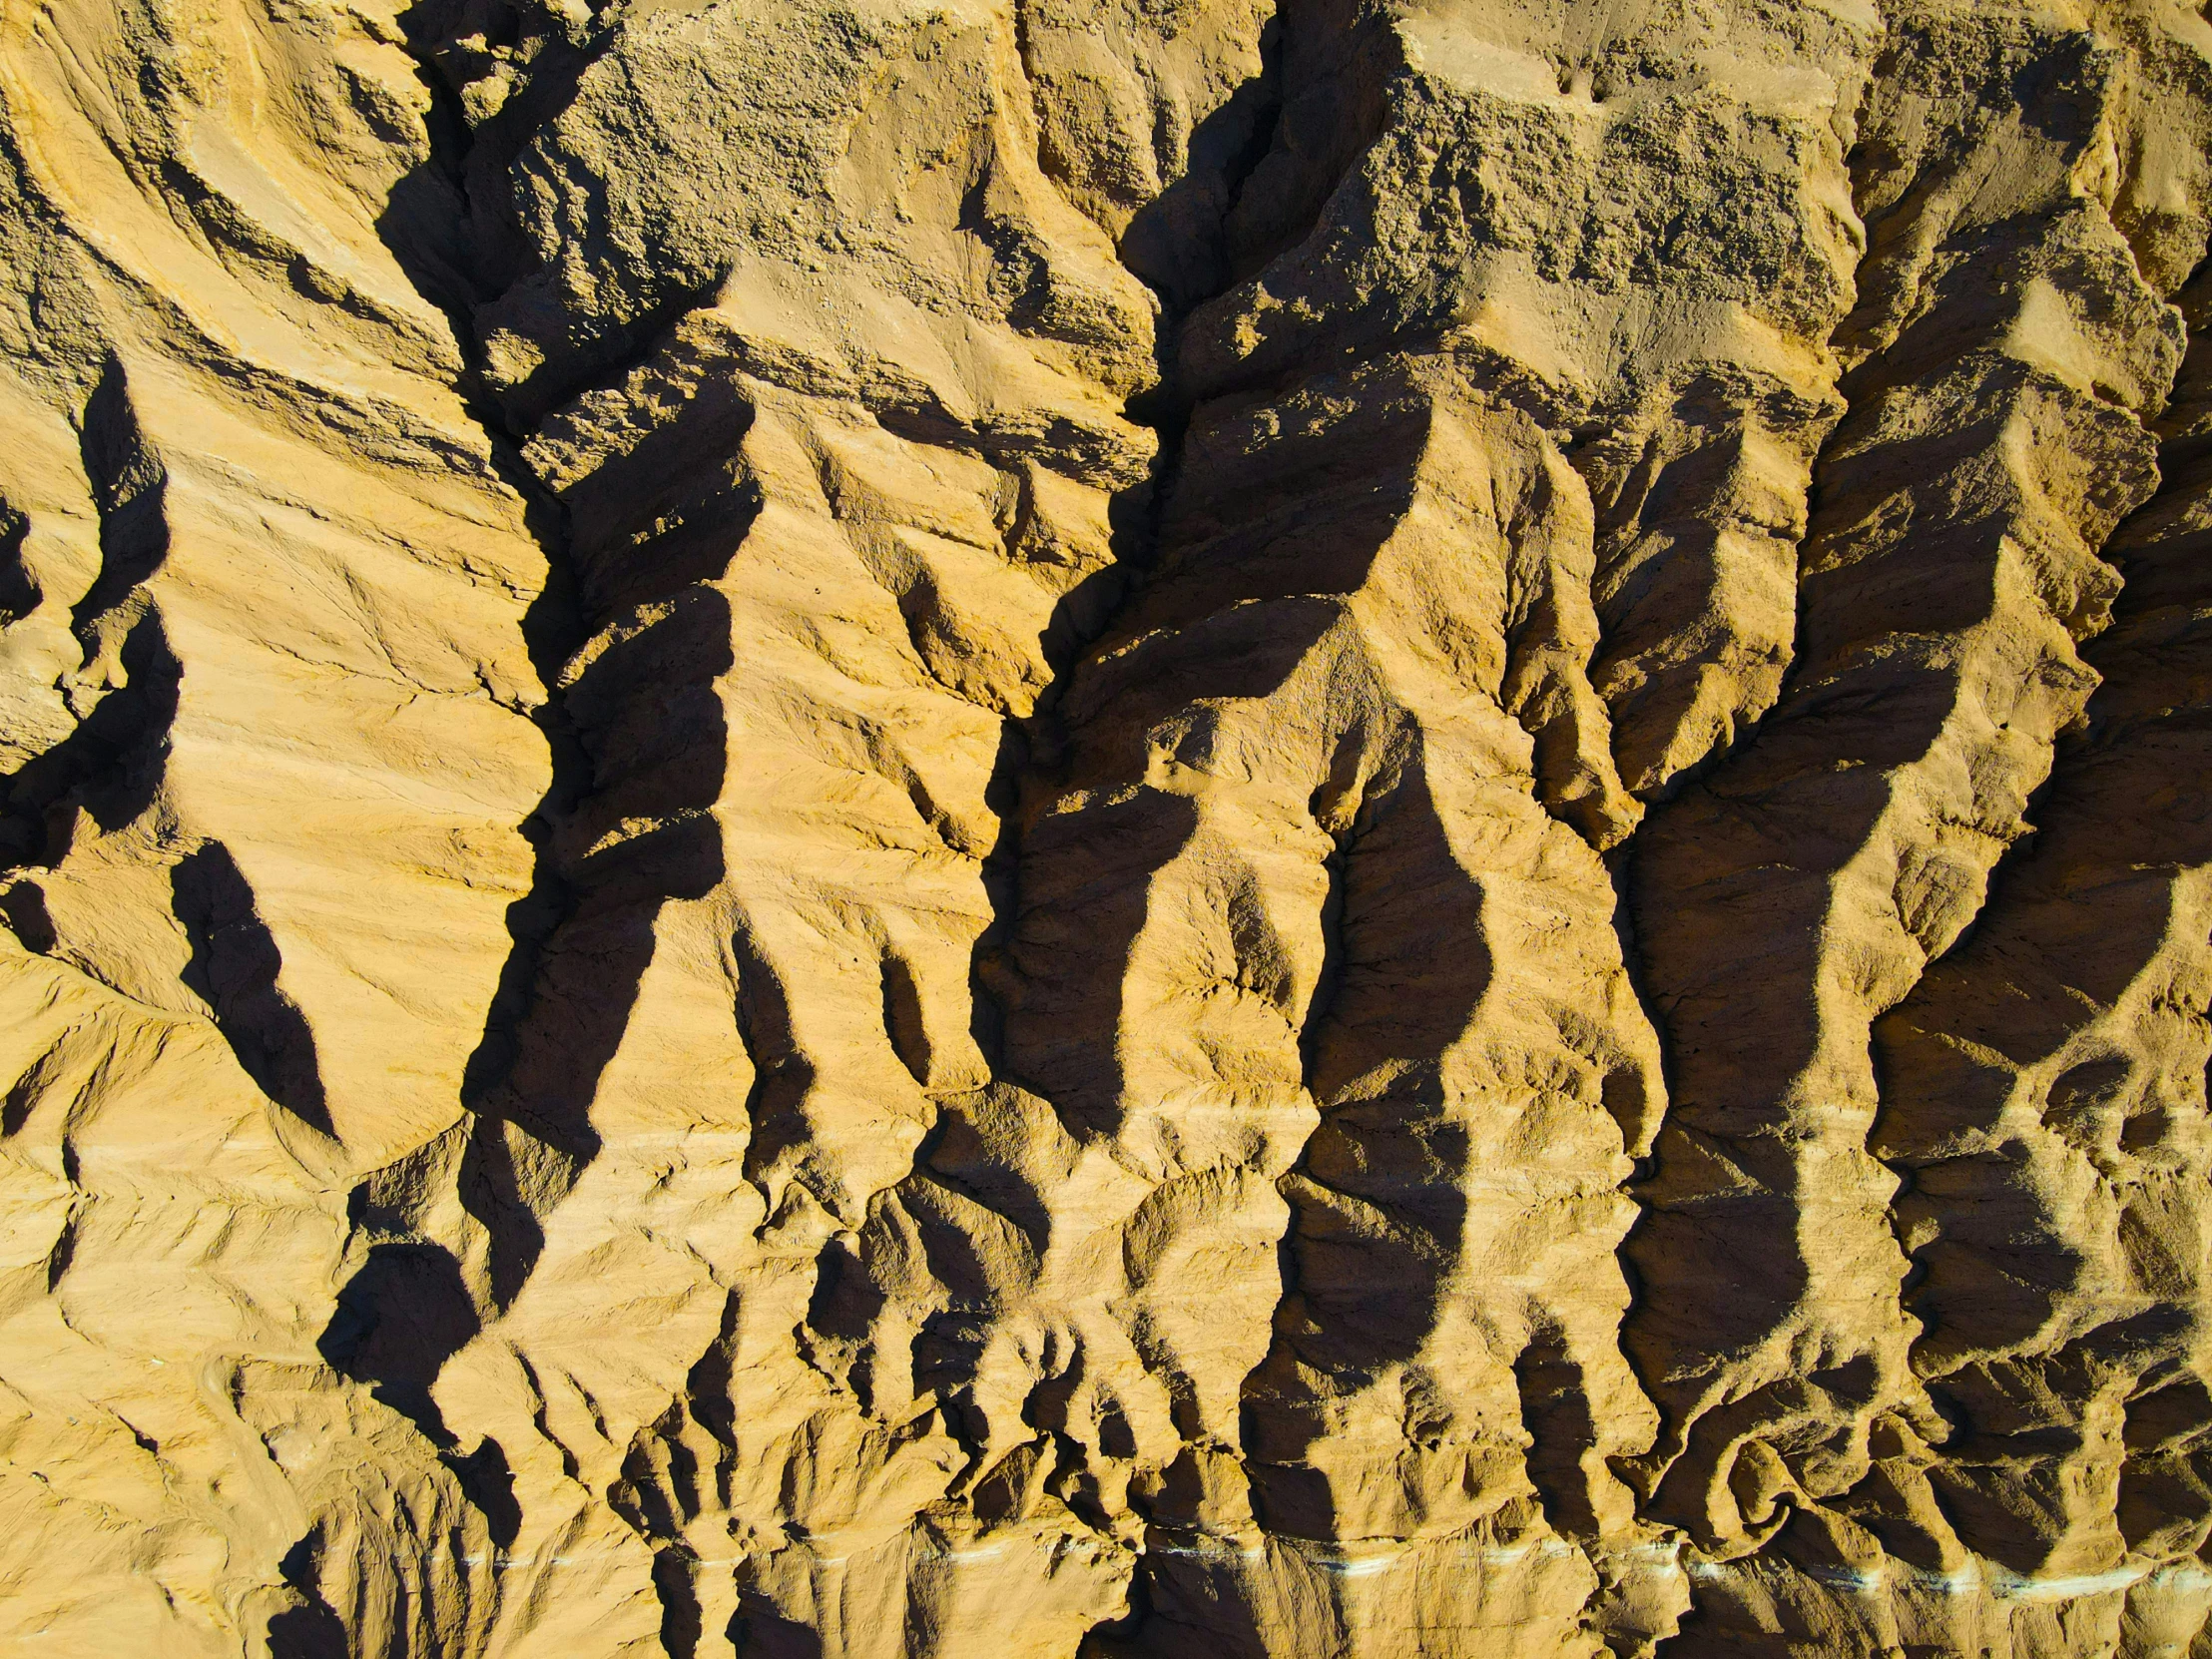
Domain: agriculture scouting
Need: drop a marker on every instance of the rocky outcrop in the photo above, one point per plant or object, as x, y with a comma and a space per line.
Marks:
881, 828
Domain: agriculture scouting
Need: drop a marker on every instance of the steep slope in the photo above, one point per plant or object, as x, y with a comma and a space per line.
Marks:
877, 828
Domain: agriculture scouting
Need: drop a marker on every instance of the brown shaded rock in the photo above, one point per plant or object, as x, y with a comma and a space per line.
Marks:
894, 827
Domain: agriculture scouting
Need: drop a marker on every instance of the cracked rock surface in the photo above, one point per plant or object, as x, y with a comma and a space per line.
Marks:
1104, 828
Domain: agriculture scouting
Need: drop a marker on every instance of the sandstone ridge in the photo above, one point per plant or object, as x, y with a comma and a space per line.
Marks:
1236, 828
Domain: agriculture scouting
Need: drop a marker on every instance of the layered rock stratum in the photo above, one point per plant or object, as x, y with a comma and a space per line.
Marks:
1221, 828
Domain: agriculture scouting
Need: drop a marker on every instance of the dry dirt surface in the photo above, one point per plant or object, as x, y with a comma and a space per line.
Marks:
1105, 829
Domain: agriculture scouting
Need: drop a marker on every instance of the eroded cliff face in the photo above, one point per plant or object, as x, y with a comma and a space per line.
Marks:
864, 829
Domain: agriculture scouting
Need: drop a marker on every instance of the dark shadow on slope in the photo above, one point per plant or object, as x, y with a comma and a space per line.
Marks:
1085, 901
783, 1076
451, 222
654, 739
760, 1632
1045, 1007
647, 716
111, 764
1556, 1410
130, 488
1185, 1606
1376, 1219
19, 593
313, 1629
457, 229
636, 738
2068, 927
397, 1320
665, 1486
1178, 244
1729, 947
235, 968
651, 741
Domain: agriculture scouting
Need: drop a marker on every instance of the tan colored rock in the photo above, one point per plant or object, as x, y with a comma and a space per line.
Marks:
948, 828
